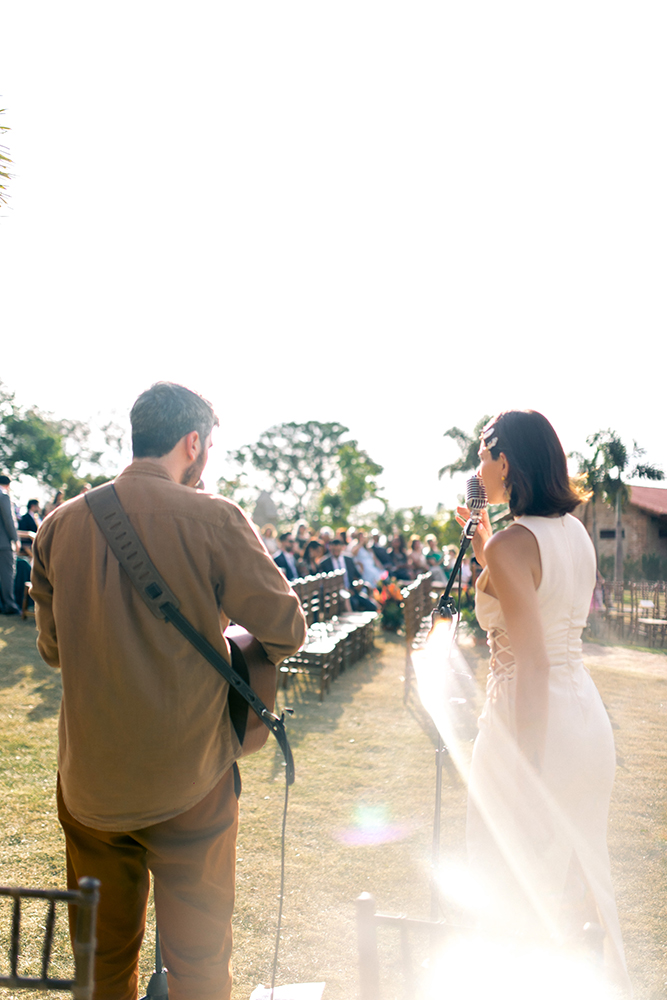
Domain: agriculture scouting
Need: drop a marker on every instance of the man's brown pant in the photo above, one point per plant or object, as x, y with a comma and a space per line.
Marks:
193, 858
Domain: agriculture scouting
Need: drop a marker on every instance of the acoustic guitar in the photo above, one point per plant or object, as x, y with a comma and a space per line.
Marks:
262, 676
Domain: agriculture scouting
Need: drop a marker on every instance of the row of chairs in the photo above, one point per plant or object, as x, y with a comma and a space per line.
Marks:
336, 638
637, 611
418, 603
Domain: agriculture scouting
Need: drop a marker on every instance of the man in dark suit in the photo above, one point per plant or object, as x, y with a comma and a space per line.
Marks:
336, 560
29, 520
285, 558
8, 537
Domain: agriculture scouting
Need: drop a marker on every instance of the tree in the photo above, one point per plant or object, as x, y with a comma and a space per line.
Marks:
311, 469
355, 484
413, 520
469, 445
592, 474
58, 453
234, 489
31, 444
615, 465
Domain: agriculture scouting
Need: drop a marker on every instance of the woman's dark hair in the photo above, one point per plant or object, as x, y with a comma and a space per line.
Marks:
538, 480
309, 551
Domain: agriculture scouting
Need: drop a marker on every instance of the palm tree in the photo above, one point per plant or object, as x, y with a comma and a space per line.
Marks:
469, 445
592, 474
4, 163
616, 465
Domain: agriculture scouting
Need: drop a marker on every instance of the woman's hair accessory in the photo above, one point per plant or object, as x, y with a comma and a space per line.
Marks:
486, 437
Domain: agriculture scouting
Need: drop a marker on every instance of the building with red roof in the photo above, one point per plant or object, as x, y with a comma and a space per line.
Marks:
644, 523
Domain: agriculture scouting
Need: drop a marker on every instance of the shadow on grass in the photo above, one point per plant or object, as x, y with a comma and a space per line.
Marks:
20, 663
314, 716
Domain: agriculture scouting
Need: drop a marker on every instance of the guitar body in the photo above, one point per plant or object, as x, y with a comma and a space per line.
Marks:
262, 678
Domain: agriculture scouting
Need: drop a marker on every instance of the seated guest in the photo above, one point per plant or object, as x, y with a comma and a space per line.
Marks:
23, 567
369, 568
325, 536
269, 538
313, 552
58, 499
416, 560
433, 550
336, 560
301, 538
31, 519
285, 558
378, 550
452, 555
438, 578
398, 561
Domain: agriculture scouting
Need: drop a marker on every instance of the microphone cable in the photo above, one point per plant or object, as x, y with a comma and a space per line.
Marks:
282, 887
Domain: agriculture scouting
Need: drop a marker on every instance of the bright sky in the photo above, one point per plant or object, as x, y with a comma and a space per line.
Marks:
396, 216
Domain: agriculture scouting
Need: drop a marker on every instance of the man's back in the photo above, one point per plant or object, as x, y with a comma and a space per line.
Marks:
8, 532
144, 729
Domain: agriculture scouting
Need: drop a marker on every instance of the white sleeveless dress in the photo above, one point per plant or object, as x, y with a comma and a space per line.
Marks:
522, 830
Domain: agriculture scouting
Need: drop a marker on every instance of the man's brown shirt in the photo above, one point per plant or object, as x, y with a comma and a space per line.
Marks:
144, 727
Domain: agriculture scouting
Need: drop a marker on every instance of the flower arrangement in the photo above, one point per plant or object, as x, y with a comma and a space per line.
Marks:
388, 595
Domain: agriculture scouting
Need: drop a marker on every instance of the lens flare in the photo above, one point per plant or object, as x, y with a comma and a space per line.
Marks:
371, 825
476, 968
459, 886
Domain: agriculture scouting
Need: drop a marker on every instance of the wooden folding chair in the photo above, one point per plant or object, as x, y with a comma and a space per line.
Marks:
368, 922
619, 610
649, 623
417, 609
84, 900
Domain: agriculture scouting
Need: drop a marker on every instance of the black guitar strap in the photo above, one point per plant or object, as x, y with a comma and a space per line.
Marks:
163, 603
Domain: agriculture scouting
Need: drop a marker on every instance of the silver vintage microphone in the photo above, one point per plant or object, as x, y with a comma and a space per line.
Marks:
476, 502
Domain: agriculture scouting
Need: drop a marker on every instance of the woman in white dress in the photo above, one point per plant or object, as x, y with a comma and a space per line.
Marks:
365, 559
543, 762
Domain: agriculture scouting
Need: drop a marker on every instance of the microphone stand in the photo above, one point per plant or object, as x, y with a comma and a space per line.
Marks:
157, 986
446, 608
446, 612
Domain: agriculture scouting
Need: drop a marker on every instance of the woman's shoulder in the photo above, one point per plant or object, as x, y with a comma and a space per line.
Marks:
513, 545
513, 537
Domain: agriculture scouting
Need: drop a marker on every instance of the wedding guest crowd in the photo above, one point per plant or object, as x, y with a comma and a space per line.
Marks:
16, 539
365, 559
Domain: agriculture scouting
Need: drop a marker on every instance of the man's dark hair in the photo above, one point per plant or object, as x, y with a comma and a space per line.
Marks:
5, 480
164, 414
537, 480
285, 535
32, 503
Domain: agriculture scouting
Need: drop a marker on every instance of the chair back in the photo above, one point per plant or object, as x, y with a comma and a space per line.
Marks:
84, 900
415, 951
331, 602
309, 596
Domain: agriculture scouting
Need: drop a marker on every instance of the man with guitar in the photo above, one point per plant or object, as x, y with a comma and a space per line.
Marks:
147, 778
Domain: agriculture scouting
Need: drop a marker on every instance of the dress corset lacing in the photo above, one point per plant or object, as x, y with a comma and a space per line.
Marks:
502, 661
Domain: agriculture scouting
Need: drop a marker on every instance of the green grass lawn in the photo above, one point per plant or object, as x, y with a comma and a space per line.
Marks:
360, 815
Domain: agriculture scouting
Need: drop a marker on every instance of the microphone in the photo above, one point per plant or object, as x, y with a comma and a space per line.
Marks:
476, 502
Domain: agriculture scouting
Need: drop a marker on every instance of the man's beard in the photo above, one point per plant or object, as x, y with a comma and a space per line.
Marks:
192, 474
